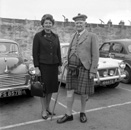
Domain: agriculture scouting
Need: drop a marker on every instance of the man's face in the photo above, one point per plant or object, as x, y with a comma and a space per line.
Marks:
80, 25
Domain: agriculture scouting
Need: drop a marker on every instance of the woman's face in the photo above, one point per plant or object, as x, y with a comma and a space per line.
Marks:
47, 24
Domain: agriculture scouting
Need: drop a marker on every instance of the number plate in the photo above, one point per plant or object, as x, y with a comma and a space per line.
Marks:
107, 82
12, 93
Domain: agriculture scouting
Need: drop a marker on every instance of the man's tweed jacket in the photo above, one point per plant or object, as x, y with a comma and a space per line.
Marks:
88, 50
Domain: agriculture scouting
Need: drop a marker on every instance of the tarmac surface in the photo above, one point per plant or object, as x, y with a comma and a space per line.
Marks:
107, 109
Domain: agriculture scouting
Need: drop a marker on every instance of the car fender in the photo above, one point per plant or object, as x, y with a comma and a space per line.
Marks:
128, 63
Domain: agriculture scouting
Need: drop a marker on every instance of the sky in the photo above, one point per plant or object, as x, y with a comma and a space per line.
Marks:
116, 10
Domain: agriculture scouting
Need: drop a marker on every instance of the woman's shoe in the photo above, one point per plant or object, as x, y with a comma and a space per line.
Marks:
83, 117
45, 117
65, 118
50, 113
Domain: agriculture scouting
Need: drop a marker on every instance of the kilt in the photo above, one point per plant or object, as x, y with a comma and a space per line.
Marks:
80, 83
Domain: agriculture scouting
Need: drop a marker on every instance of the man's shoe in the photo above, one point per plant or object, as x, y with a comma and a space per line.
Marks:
83, 117
65, 118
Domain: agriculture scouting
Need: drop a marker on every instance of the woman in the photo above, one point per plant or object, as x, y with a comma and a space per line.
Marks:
47, 61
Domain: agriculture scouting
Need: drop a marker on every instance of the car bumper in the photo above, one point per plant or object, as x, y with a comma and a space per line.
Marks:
108, 80
15, 88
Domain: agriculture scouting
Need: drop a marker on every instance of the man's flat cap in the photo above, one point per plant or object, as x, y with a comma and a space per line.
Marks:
82, 17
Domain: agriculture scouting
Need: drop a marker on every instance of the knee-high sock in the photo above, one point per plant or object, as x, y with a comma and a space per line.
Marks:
83, 102
70, 101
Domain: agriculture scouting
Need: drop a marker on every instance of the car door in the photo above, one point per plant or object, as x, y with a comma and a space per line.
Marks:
117, 51
105, 49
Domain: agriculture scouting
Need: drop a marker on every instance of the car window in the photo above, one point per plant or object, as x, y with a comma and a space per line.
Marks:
13, 48
117, 48
129, 48
2, 48
6, 48
105, 47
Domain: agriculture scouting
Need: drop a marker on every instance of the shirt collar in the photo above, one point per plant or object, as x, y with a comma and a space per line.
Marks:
81, 32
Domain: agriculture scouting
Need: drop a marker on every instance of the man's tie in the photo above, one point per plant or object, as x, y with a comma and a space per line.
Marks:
77, 35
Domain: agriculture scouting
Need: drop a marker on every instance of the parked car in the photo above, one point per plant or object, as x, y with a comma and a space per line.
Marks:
14, 76
110, 71
119, 49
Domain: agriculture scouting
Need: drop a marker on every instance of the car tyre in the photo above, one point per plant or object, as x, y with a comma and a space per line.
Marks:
127, 79
28, 93
113, 85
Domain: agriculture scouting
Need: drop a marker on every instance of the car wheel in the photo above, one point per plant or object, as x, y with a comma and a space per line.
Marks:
113, 85
28, 93
127, 79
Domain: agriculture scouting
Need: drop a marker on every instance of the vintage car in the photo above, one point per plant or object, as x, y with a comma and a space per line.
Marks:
14, 72
119, 49
110, 71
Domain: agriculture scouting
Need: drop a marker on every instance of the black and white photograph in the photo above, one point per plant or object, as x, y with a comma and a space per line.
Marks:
65, 65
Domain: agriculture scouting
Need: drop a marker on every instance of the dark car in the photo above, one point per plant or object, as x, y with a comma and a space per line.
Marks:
14, 72
119, 49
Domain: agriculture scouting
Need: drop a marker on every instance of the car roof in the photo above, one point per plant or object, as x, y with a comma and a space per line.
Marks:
7, 40
123, 41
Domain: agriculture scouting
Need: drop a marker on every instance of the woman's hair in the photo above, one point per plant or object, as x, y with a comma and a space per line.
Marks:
47, 17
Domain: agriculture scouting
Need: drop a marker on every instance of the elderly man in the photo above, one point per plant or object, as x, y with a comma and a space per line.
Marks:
82, 65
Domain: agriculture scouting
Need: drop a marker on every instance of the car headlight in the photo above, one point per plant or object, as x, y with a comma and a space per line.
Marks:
111, 72
31, 69
105, 73
122, 65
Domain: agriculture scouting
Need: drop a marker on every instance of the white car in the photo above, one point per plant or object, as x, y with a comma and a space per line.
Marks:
110, 71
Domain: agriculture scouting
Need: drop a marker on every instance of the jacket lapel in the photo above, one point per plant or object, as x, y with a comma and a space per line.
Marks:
71, 44
83, 37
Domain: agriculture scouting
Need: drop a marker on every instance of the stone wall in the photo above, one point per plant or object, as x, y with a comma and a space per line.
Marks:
23, 31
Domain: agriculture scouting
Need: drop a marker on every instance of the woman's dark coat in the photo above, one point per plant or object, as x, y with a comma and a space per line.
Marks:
46, 50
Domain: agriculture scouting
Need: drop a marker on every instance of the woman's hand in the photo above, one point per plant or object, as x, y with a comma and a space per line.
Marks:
37, 71
59, 70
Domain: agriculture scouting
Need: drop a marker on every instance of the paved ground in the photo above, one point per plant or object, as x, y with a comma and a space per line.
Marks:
107, 109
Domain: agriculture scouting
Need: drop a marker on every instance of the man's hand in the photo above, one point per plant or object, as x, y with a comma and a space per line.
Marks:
65, 63
92, 75
59, 70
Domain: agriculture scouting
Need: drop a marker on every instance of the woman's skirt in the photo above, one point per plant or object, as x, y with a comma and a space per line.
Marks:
80, 83
49, 76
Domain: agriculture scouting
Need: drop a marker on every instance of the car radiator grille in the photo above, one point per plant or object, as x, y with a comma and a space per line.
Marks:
115, 70
14, 80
